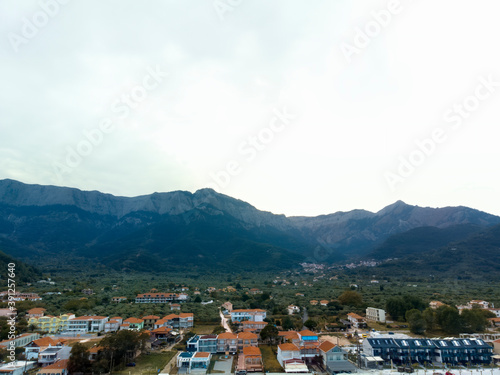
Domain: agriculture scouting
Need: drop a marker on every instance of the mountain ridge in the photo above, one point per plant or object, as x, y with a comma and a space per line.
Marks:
38, 219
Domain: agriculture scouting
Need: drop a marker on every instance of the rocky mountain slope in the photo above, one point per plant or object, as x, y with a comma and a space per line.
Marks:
205, 228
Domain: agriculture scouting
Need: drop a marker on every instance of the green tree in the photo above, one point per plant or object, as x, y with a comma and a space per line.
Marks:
269, 333
415, 321
311, 324
429, 316
473, 320
79, 359
449, 319
351, 298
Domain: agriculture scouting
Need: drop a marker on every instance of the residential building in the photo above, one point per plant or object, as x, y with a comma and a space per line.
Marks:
51, 355
256, 315
250, 360
150, 320
161, 297
16, 367
313, 302
118, 299
376, 315
308, 344
33, 349
251, 326
135, 324
36, 312
227, 342
286, 352
205, 343
292, 309
324, 302
449, 351
335, 358
51, 324
227, 306
84, 324
255, 291
113, 325
175, 306
58, 368
356, 320
20, 341
187, 361
246, 339
88, 292
435, 304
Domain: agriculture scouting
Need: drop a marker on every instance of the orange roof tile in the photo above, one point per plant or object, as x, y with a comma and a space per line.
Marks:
325, 346
202, 355
251, 350
134, 321
151, 317
63, 363
247, 335
227, 335
46, 341
289, 347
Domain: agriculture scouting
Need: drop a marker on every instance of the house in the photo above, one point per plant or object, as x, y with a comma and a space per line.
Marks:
479, 303
246, 339
51, 355
88, 292
33, 349
113, 324
16, 367
255, 291
135, 324
335, 358
495, 311
187, 361
205, 343
227, 306
289, 336
150, 320
227, 342
211, 289
118, 299
292, 309
175, 306
20, 341
376, 315
162, 335
94, 352
286, 352
313, 302
308, 344
251, 326
299, 294
36, 312
324, 302
356, 320
256, 315
496, 349
436, 304
85, 324
250, 360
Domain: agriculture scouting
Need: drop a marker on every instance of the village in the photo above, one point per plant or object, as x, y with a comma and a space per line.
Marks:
247, 342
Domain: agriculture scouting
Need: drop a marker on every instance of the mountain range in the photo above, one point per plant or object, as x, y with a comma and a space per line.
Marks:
58, 227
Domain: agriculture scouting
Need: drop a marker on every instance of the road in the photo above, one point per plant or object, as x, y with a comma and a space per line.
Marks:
223, 321
305, 317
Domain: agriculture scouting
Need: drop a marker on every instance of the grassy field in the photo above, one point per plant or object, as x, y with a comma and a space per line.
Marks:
148, 364
205, 329
271, 364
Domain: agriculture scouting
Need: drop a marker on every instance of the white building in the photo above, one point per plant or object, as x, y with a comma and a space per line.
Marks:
377, 315
84, 324
256, 315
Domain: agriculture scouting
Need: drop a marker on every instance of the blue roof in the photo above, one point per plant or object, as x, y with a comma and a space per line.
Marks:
186, 354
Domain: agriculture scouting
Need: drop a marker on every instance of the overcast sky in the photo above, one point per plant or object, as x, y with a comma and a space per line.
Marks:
297, 107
